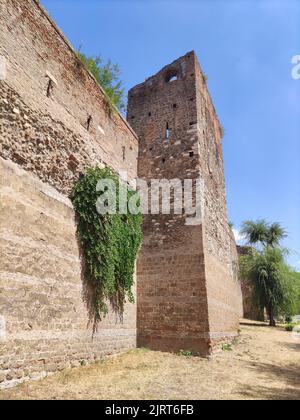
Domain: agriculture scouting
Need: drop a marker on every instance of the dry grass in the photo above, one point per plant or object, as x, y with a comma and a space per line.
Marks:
264, 364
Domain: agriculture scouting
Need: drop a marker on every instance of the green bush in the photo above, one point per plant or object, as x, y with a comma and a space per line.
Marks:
188, 353
227, 347
107, 75
290, 327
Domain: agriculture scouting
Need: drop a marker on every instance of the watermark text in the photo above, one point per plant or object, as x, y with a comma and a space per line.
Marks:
296, 67
3, 66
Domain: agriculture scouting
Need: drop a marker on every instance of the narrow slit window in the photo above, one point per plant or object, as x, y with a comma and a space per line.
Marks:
89, 122
124, 153
50, 88
168, 132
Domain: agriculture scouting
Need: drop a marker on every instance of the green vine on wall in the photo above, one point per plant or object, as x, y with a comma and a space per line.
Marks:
109, 245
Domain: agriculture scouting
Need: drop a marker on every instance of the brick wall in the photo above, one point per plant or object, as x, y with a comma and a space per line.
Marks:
221, 260
172, 296
49, 136
40, 285
188, 293
43, 320
188, 296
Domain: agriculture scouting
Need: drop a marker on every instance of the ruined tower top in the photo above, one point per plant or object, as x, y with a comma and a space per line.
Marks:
183, 80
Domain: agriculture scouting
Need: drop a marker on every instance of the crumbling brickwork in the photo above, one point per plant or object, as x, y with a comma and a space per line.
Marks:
54, 123
189, 296
48, 135
43, 320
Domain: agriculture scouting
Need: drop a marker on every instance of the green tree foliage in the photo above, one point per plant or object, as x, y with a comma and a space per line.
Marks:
263, 233
107, 75
297, 281
272, 281
264, 267
109, 244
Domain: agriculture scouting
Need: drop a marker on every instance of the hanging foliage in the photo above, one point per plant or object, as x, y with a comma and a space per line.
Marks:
109, 244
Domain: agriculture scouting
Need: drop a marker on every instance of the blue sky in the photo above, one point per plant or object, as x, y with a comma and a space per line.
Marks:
245, 47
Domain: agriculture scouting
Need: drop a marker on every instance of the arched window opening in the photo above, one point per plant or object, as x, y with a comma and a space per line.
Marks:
171, 76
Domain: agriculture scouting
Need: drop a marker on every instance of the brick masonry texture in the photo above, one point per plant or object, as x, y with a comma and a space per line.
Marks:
40, 284
44, 147
189, 296
49, 136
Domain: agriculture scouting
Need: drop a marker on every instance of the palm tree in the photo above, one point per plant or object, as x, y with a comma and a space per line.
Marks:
265, 269
263, 233
275, 234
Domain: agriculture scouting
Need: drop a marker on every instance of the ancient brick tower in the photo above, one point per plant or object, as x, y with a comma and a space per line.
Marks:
188, 293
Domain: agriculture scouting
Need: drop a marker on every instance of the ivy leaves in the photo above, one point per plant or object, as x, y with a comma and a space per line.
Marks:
109, 246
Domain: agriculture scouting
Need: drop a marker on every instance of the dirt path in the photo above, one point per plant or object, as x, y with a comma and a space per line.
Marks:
264, 364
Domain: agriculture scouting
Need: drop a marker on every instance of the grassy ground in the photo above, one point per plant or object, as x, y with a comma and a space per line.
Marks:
263, 364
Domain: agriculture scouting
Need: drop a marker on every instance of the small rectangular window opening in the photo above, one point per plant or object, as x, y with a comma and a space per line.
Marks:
124, 153
168, 132
89, 122
50, 88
